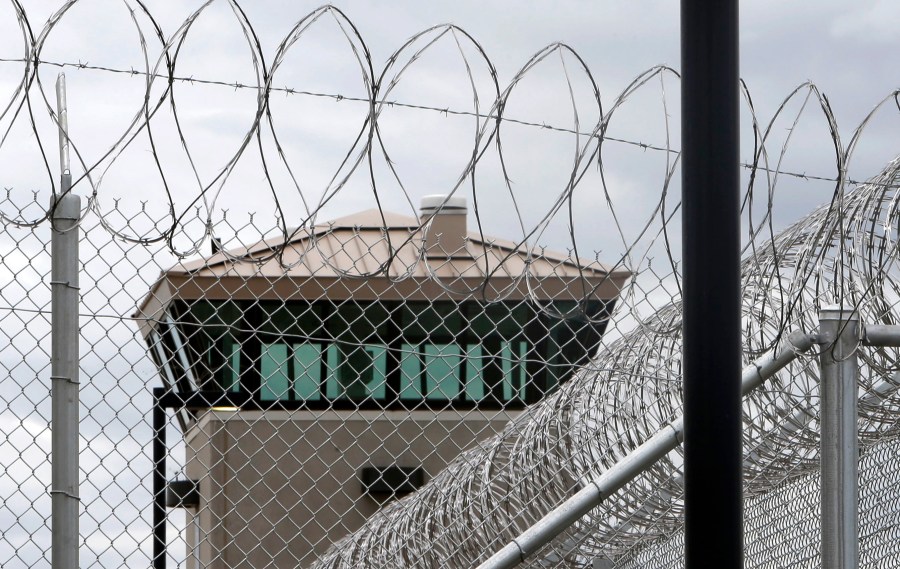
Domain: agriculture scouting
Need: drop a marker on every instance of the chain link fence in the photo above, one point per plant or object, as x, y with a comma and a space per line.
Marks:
396, 386
349, 397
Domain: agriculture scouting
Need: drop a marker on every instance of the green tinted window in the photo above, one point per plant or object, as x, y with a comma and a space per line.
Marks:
442, 365
486, 353
411, 372
290, 373
307, 371
289, 362
474, 387
275, 371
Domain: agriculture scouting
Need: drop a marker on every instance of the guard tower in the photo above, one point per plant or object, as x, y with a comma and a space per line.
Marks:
318, 377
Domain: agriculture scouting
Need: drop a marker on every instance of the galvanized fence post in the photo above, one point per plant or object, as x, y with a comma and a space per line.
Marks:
65, 211
839, 331
64, 378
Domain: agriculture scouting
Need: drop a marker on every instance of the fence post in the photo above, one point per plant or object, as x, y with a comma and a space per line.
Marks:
159, 480
711, 269
66, 210
839, 331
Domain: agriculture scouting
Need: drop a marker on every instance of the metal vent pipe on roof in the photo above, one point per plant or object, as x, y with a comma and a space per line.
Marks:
444, 225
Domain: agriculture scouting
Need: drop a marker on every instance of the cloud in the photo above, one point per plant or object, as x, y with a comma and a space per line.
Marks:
871, 22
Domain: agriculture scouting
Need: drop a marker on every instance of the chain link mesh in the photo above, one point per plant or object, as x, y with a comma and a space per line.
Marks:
384, 390
364, 429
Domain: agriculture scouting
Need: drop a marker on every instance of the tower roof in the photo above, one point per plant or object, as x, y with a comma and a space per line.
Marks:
377, 254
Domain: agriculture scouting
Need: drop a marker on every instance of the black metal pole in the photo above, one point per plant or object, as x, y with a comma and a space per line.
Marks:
159, 480
711, 270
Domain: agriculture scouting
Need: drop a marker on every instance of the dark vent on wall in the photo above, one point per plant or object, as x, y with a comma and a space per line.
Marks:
393, 480
183, 494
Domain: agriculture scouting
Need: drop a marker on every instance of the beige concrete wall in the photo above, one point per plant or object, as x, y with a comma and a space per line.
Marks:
278, 488
205, 446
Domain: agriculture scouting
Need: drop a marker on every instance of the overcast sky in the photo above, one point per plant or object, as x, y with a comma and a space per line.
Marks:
843, 48
847, 49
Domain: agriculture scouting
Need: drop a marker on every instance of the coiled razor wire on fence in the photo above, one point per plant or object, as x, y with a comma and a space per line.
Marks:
280, 454
633, 387
30, 101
